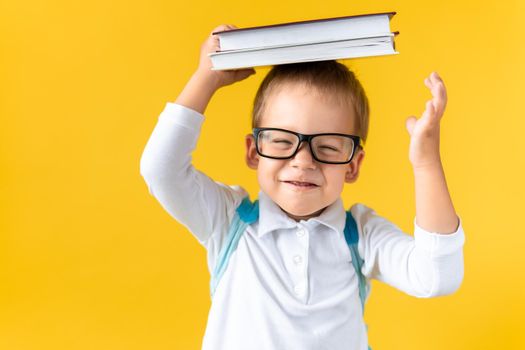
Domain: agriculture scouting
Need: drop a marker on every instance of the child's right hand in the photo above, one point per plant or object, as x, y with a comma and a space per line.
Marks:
219, 77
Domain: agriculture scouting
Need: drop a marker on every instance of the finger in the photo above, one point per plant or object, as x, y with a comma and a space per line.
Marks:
409, 123
244, 73
440, 97
215, 42
430, 114
434, 76
219, 28
436, 81
438, 91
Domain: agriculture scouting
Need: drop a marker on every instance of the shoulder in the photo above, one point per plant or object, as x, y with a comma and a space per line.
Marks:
377, 235
362, 212
233, 196
235, 193
368, 220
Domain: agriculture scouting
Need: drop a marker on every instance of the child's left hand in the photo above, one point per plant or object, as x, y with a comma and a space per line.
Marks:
424, 132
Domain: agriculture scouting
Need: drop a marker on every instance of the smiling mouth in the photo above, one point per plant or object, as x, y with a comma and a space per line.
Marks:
302, 184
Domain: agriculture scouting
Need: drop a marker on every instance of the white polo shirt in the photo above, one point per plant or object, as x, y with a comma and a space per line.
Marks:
289, 285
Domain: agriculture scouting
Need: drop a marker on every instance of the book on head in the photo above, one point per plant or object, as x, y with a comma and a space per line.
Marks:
313, 40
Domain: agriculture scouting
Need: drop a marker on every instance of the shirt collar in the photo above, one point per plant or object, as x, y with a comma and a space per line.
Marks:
272, 217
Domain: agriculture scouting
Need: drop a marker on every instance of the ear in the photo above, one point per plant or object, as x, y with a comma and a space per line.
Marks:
353, 167
252, 158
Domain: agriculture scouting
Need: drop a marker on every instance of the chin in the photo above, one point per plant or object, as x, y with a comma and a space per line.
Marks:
302, 210
299, 206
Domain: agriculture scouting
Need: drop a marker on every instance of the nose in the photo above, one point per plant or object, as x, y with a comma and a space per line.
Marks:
303, 158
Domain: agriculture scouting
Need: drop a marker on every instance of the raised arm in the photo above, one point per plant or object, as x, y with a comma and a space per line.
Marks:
430, 263
434, 209
205, 81
187, 194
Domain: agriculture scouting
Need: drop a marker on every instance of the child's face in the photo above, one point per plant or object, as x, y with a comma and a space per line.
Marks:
300, 109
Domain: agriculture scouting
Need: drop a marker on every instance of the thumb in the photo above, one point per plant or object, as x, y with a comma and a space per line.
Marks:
244, 73
410, 122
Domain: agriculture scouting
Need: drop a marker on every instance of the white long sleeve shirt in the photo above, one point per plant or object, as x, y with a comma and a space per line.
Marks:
289, 285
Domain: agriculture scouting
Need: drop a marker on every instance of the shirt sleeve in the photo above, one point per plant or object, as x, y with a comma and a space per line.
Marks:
425, 265
204, 206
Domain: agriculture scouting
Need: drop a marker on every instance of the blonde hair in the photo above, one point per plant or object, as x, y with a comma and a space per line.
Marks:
329, 78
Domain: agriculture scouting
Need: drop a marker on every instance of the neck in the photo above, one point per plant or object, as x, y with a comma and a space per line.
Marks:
306, 217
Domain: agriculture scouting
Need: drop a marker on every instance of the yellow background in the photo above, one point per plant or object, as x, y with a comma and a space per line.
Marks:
90, 260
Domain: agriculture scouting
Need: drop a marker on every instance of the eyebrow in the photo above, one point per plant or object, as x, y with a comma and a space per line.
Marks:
297, 132
325, 132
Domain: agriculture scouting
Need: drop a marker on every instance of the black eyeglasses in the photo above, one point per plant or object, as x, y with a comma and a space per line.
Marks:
330, 148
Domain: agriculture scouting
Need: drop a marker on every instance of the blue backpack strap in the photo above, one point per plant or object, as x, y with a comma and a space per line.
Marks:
352, 239
245, 214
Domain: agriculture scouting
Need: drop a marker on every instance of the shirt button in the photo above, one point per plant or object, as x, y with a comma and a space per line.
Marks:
297, 259
300, 232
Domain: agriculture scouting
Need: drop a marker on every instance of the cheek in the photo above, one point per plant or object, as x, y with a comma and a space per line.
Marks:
335, 178
267, 171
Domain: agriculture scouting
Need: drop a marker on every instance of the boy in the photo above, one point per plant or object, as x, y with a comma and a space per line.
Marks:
289, 283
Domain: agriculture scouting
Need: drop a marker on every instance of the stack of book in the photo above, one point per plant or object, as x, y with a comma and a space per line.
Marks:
314, 40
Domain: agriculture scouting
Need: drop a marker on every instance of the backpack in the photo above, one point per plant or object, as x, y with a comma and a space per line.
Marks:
248, 212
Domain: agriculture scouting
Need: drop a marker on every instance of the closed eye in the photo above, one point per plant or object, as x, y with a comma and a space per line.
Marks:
282, 141
330, 148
